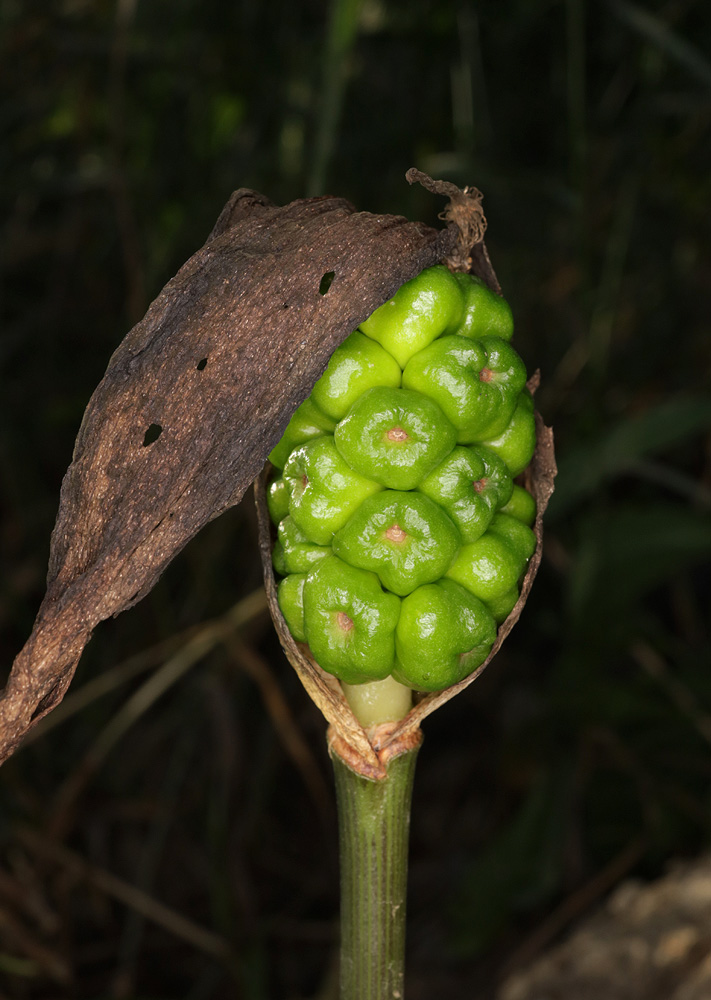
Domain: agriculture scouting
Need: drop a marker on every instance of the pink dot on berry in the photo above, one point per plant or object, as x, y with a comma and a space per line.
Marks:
344, 623
395, 533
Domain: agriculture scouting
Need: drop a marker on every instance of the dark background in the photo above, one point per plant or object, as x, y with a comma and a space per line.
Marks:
185, 776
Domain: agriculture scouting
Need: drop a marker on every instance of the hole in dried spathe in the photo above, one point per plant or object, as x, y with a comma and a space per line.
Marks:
326, 281
201, 365
152, 434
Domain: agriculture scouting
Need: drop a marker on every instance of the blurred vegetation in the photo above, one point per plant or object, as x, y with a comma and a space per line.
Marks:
169, 832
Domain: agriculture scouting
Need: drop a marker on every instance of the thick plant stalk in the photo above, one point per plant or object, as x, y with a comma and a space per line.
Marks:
374, 823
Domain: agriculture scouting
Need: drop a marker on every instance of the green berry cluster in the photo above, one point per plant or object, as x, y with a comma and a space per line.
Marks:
402, 537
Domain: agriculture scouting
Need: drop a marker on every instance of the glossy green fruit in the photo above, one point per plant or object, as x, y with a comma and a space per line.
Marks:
521, 505
492, 565
485, 312
395, 437
419, 312
323, 489
471, 484
443, 634
299, 554
307, 422
475, 382
278, 558
517, 534
290, 595
501, 607
277, 500
349, 621
357, 365
405, 538
402, 538
517, 443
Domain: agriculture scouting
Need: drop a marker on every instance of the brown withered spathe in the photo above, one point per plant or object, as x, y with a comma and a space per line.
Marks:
193, 400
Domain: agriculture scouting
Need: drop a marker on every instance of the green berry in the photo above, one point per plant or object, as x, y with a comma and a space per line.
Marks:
485, 312
323, 489
358, 364
299, 554
278, 559
518, 535
501, 607
290, 595
394, 437
517, 443
277, 500
471, 484
350, 621
443, 634
522, 506
419, 312
307, 422
492, 565
475, 382
405, 538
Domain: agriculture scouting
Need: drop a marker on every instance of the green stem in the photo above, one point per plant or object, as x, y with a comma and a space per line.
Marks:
374, 821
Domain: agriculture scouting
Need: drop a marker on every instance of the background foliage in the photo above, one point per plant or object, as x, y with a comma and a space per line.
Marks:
170, 831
